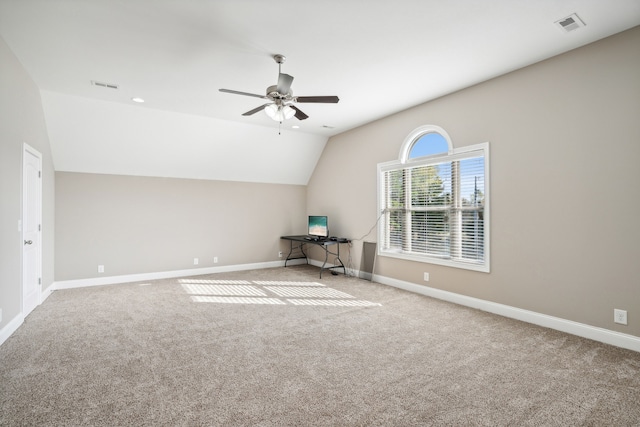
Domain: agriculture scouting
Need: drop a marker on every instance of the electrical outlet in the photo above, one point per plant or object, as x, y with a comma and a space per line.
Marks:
280, 254
426, 277
215, 259
101, 269
620, 316
196, 261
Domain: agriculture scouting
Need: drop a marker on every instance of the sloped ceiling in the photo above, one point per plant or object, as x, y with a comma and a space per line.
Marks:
379, 57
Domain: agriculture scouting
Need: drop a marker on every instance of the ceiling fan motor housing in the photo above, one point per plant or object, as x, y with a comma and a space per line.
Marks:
272, 92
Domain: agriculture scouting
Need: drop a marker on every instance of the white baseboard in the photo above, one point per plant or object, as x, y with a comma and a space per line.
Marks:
47, 293
15, 323
606, 336
127, 278
11, 327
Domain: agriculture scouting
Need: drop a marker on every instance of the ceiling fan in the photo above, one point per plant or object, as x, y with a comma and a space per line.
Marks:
281, 98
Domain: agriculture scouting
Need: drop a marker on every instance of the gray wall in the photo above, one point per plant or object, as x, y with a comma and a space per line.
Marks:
565, 150
21, 120
145, 225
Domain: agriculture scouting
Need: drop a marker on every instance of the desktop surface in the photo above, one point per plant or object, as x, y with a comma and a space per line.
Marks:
316, 239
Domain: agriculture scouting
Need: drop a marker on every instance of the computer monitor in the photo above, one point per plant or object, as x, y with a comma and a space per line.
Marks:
318, 226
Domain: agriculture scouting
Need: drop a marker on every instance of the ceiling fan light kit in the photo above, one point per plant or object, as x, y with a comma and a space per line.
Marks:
279, 113
280, 107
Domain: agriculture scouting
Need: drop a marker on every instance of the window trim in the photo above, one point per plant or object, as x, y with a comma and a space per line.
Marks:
453, 155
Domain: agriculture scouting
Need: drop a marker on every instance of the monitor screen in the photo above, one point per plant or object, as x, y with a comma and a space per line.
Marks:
318, 226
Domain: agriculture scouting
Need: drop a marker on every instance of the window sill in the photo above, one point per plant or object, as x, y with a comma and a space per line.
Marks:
481, 267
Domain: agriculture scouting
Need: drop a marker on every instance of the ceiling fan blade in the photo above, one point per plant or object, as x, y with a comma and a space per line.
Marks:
255, 110
299, 114
319, 99
243, 93
284, 83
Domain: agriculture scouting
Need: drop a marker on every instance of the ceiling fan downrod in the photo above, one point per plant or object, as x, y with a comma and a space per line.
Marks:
280, 60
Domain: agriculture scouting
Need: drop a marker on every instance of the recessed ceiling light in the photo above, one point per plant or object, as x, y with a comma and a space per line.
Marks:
136, 99
295, 127
328, 126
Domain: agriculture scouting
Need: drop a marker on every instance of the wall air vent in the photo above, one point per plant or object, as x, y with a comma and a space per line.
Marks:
570, 23
102, 84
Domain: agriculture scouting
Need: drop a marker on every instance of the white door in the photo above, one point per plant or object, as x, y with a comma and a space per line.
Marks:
31, 229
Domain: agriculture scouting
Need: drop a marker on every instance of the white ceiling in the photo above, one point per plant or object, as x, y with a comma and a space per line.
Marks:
379, 57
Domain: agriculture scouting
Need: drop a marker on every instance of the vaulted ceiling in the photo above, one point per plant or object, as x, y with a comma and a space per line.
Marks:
379, 57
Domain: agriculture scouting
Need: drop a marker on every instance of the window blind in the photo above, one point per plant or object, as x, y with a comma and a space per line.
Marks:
435, 208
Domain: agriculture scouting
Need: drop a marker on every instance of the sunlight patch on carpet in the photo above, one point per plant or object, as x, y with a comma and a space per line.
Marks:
283, 283
237, 300
216, 282
269, 292
307, 292
239, 290
334, 302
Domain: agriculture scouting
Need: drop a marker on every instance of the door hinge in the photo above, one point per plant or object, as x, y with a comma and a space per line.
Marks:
39, 227
39, 174
39, 280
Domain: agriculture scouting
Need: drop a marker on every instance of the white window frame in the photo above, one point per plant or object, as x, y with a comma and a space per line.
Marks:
404, 162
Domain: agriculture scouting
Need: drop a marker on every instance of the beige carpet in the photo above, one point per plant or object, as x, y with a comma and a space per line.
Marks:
279, 347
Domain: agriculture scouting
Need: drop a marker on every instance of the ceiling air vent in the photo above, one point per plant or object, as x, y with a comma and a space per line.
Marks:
570, 23
107, 85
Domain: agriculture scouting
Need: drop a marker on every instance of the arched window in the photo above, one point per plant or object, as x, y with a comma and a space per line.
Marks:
434, 202
425, 141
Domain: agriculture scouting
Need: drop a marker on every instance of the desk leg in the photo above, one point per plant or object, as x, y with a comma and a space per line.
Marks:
344, 269
327, 252
291, 248
326, 258
289, 254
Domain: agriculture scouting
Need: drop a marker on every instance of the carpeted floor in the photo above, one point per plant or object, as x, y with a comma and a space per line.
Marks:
280, 347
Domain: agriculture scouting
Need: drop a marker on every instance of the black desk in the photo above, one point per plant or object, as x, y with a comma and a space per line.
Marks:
297, 243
